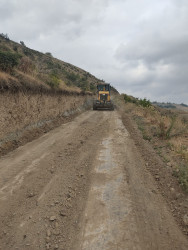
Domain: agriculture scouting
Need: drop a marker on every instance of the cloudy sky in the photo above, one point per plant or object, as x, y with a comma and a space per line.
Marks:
139, 46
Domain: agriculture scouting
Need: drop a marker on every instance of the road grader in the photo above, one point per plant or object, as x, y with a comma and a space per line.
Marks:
103, 100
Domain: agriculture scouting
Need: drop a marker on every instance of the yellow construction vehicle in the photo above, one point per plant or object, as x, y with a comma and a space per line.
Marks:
103, 98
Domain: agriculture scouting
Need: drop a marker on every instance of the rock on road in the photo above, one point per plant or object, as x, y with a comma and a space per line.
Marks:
83, 186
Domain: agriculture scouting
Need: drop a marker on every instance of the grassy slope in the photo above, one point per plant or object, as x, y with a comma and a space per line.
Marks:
37, 69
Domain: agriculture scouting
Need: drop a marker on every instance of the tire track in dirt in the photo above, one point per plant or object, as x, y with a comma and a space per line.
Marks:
83, 186
124, 209
109, 222
54, 184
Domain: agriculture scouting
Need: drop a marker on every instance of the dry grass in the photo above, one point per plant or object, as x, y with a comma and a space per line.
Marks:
6, 77
63, 86
167, 124
180, 146
167, 130
46, 70
30, 79
29, 83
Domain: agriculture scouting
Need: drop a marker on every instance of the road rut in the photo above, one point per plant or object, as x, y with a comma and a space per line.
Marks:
83, 186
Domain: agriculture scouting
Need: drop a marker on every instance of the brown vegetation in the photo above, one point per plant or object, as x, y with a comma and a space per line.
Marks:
41, 69
167, 131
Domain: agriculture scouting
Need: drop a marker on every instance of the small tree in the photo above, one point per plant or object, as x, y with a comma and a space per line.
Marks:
127, 98
22, 43
49, 54
145, 103
8, 60
5, 36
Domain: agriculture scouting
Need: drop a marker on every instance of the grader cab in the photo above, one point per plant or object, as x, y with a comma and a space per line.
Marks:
103, 100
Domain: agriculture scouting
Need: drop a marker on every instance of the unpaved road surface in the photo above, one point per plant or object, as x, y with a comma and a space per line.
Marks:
83, 186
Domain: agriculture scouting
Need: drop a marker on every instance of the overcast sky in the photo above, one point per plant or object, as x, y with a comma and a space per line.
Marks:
139, 46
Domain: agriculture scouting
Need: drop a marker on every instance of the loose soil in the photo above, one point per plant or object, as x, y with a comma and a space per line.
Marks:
28, 134
162, 172
81, 186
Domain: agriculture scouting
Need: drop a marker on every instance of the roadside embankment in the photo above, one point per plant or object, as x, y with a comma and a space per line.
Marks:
154, 131
24, 115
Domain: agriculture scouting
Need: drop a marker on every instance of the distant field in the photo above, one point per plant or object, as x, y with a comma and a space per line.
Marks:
172, 106
183, 108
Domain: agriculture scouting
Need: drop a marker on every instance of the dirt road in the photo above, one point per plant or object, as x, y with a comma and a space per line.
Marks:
83, 186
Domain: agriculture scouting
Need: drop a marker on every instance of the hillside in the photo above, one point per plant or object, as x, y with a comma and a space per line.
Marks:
22, 67
168, 105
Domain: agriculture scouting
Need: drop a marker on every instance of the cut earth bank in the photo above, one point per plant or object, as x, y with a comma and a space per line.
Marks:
26, 115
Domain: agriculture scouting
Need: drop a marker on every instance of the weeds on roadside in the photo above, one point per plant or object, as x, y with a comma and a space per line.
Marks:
183, 177
183, 152
182, 174
179, 147
141, 127
142, 102
164, 130
146, 137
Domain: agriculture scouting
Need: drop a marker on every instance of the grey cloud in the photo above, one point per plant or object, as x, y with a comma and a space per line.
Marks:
33, 18
161, 50
154, 51
141, 47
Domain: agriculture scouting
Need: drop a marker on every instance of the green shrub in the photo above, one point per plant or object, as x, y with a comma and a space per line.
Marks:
5, 36
93, 87
49, 54
83, 84
54, 81
127, 98
49, 63
15, 48
72, 77
145, 103
130, 99
8, 60
142, 102
27, 52
22, 43
169, 130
